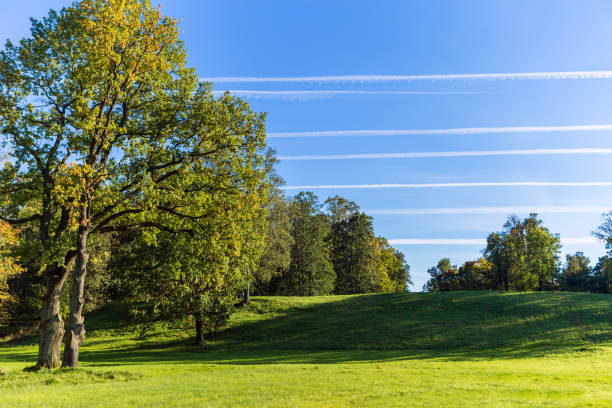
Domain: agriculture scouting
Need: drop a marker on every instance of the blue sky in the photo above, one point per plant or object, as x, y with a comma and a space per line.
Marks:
342, 38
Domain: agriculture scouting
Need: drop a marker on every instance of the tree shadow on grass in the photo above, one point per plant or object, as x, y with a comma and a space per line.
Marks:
457, 326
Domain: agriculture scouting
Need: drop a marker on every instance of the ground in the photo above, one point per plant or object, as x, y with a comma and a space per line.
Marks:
462, 349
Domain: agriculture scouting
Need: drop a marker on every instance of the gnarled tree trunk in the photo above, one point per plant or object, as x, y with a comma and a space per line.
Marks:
51, 330
246, 295
76, 324
199, 331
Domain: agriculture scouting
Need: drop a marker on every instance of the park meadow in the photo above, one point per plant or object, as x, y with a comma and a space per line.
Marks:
153, 255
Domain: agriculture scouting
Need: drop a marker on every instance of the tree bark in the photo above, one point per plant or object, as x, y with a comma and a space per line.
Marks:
246, 296
51, 330
199, 331
76, 323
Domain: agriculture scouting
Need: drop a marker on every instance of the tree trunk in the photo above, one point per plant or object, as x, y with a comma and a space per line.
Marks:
76, 327
246, 296
51, 323
199, 331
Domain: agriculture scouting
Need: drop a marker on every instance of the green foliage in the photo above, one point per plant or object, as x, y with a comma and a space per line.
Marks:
604, 231
8, 269
542, 256
354, 255
443, 278
311, 240
311, 271
575, 275
394, 269
276, 259
525, 255
185, 275
601, 278
109, 131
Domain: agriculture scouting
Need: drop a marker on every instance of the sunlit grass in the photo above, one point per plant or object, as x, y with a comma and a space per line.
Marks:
459, 349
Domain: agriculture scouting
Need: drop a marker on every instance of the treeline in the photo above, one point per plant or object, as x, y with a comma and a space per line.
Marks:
525, 255
310, 248
315, 248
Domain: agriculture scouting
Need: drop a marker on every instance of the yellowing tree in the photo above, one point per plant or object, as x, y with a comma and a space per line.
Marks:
110, 131
8, 265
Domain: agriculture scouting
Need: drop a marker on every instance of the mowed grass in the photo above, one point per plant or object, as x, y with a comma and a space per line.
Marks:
462, 349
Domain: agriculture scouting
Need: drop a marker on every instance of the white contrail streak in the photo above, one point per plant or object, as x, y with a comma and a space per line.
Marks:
453, 131
469, 153
454, 185
479, 241
318, 94
412, 78
491, 210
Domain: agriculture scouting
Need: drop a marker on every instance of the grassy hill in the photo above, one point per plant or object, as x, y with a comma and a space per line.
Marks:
446, 349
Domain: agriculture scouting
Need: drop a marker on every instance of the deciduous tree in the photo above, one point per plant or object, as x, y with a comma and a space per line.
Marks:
109, 131
575, 275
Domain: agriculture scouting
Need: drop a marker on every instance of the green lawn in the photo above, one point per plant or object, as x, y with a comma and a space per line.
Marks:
463, 349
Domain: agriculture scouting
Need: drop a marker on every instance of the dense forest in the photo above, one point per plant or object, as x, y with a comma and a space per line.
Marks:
525, 255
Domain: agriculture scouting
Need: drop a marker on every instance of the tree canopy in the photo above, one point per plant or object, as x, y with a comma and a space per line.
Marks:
109, 130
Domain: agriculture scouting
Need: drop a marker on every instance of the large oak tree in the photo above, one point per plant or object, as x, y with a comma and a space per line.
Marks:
109, 130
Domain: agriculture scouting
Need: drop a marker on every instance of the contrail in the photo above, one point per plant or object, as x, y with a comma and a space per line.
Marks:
412, 78
479, 241
469, 153
453, 131
318, 94
491, 210
454, 185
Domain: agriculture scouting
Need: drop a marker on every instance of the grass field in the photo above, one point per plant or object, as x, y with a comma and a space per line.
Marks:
462, 349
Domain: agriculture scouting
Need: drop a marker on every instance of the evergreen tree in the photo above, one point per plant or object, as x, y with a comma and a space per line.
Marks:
311, 271
355, 257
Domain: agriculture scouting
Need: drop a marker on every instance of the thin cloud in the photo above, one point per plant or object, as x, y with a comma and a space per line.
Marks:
558, 75
490, 210
454, 185
452, 131
320, 94
479, 241
472, 153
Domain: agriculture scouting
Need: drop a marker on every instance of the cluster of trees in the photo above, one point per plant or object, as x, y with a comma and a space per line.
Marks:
524, 255
126, 178
318, 248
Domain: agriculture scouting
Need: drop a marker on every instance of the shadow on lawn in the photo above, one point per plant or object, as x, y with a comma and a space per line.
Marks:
392, 327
